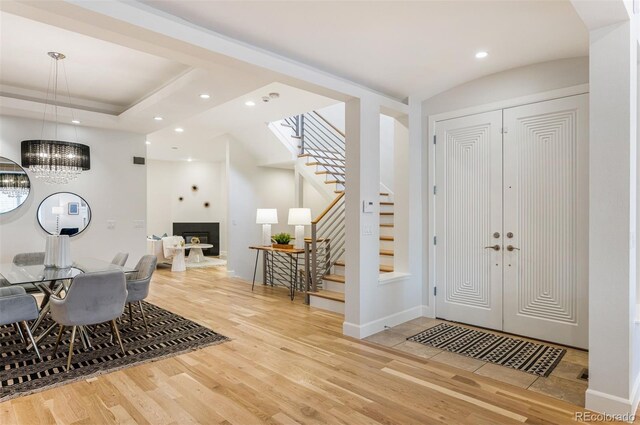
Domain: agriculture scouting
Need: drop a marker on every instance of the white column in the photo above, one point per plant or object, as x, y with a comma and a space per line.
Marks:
362, 125
613, 333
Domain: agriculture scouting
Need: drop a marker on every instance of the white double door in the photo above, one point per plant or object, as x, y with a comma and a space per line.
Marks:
512, 220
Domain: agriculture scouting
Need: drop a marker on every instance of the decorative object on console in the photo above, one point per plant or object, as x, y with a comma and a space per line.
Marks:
299, 217
14, 185
51, 215
266, 217
282, 241
55, 161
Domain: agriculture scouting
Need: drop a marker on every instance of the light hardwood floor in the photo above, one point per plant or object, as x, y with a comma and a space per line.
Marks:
287, 363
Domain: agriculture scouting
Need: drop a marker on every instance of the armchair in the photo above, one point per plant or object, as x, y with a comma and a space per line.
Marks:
92, 298
16, 307
138, 286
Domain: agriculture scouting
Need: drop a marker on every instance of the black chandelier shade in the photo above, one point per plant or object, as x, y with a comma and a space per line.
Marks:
55, 155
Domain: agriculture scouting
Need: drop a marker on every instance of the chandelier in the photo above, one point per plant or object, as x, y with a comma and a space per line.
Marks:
52, 160
14, 185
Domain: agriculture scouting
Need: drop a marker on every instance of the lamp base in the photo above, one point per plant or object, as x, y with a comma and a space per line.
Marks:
299, 244
266, 235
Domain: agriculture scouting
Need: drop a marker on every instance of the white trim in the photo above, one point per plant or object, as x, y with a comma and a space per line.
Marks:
432, 120
378, 325
612, 405
387, 278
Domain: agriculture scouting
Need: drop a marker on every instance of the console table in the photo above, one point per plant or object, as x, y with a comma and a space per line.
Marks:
280, 267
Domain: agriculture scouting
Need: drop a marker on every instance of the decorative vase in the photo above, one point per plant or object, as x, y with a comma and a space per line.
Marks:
50, 251
63, 254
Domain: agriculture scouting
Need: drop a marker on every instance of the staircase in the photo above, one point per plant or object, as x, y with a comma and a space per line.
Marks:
322, 147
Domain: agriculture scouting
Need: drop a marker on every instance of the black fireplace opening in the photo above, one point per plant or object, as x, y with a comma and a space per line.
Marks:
208, 233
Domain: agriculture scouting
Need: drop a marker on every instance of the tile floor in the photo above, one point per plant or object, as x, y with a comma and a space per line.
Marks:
562, 383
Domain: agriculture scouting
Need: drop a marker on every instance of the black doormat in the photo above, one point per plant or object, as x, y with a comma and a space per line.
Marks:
21, 372
531, 357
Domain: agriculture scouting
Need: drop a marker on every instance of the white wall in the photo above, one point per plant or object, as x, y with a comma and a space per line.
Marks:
114, 188
502, 86
250, 187
167, 181
312, 199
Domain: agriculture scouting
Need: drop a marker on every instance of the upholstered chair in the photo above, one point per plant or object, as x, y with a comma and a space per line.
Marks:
16, 307
138, 286
29, 259
92, 298
120, 259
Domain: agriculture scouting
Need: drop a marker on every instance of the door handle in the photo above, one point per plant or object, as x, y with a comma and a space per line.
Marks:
512, 248
495, 247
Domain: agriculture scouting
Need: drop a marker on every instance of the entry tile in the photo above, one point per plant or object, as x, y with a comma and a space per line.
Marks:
409, 329
459, 361
507, 375
567, 370
576, 356
387, 338
564, 389
417, 349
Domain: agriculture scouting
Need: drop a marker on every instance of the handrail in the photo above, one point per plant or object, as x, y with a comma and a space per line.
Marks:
330, 125
326, 210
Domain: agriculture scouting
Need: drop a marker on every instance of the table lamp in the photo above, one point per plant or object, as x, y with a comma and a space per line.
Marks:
299, 217
266, 217
57, 211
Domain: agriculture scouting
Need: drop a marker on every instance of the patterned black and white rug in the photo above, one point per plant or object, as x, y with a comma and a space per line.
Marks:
21, 372
531, 357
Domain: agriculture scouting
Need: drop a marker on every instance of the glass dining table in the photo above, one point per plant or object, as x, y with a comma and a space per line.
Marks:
52, 281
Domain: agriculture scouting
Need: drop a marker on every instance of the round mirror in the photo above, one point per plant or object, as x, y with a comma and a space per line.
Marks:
14, 185
64, 213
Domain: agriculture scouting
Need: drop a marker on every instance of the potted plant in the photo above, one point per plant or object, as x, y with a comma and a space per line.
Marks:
282, 241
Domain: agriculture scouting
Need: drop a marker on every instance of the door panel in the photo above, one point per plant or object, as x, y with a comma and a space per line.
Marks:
468, 212
546, 207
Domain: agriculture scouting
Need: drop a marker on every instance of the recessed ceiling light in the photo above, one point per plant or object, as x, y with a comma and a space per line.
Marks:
75, 121
158, 118
481, 55
204, 96
179, 129
250, 103
147, 142
189, 159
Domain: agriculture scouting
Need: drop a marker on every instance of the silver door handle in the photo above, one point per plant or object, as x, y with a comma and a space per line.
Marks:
495, 247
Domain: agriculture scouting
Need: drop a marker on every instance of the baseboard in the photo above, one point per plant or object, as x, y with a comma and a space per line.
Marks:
614, 407
362, 331
428, 311
231, 273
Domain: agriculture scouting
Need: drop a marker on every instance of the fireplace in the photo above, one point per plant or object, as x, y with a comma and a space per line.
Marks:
208, 233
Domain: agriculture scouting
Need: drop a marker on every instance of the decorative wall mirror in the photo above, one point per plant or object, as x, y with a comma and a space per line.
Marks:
14, 185
64, 213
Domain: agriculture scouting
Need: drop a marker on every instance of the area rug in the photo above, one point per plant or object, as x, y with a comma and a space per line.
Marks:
21, 372
530, 357
207, 262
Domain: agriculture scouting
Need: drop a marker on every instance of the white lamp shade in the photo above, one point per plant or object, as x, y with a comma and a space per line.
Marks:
299, 216
267, 216
57, 210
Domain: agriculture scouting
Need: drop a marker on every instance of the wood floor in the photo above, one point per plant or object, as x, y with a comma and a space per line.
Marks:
287, 363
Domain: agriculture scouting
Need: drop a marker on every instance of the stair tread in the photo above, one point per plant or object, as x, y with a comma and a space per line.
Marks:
324, 164
386, 213
330, 295
334, 278
387, 238
386, 225
383, 268
333, 173
328, 158
334, 181
386, 203
387, 252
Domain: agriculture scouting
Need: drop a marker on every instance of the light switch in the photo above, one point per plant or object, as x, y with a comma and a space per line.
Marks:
367, 230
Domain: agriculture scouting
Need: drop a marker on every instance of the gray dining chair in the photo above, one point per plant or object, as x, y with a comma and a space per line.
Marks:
27, 259
16, 308
120, 259
138, 286
92, 298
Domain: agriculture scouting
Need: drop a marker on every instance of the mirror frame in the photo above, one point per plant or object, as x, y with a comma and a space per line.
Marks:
71, 193
30, 186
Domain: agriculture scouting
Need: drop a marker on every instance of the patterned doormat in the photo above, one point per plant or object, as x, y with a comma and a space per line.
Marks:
537, 359
21, 372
